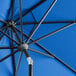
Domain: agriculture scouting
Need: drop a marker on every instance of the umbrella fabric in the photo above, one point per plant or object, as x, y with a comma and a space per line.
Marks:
6, 66
60, 44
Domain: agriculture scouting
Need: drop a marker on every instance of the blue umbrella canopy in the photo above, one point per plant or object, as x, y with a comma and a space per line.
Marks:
37, 38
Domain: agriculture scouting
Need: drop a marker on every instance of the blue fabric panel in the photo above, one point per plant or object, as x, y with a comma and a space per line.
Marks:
5, 66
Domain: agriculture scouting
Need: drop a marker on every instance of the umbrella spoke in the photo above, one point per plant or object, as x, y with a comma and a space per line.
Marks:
16, 34
52, 33
8, 36
3, 21
12, 8
32, 8
41, 53
13, 57
42, 19
21, 19
3, 34
34, 24
20, 57
8, 56
8, 47
3, 27
33, 17
47, 22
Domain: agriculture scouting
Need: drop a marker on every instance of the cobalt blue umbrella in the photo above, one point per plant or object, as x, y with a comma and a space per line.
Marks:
37, 38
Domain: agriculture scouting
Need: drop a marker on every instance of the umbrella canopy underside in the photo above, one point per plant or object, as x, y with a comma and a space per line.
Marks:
48, 27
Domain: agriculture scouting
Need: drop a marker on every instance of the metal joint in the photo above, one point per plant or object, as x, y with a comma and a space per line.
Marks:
30, 61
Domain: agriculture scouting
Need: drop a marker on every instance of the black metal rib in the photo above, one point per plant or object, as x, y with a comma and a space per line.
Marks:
8, 56
8, 47
3, 27
8, 36
3, 21
3, 34
32, 8
16, 34
47, 22
13, 57
42, 19
20, 8
18, 64
40, 53
12, 8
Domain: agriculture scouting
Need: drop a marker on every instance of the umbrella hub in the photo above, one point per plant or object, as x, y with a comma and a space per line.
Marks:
23, 46
11, 23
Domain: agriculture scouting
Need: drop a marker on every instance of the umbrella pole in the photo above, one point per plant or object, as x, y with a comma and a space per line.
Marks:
30, 63
22, 46
30, 70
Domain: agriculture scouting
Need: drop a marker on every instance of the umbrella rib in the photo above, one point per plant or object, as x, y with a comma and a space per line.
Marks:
3, 21
13, 57
18, 64
34, 24
30, 63
8, 56
40, 53
8, 36
47, 22
42, 19
12, 8
33, 16
20, 8
3, 34
8, 48
48, 52
3, 27
52, 33
16, 34
35, 6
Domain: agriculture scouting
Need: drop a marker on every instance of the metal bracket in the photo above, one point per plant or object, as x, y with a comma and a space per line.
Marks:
23, 47
11, 23
30, 61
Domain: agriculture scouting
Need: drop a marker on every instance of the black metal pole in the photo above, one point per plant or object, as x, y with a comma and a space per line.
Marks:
30, 63
30, 70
